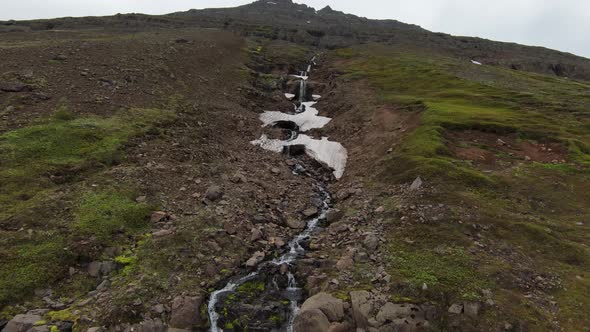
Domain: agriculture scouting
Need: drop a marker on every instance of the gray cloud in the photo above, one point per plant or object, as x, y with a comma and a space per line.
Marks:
562, 24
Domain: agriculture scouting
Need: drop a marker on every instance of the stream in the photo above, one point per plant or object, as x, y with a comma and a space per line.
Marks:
269, 298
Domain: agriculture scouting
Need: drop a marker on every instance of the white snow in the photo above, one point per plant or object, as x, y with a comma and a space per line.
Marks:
333, 154
307, 120
316, 97
289, 96
301, 77
476, 63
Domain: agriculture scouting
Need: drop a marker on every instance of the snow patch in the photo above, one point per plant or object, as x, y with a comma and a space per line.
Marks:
306, 120
333, 154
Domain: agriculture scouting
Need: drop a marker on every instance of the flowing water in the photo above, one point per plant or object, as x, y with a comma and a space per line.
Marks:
329, 153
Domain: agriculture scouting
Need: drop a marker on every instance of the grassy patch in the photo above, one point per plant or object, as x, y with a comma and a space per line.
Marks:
29, 264
104, 214
38, 158
40, 164
453, 102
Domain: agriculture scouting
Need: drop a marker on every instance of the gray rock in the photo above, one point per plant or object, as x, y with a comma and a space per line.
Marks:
159, 308
344, 263
13, 86
40, 328
295, 223
256, 234
186, 312
334, 215
21, 323
94, 269
214, 193
107, 267
391, 311
40, 312
371, 242
311, 321
255, 259
342, 327
172, 329
9, 109
417, 184
103, 285
60, 57
332, 307
471, 309
362, 307
158, 216
162, 233
95, 329
456, 309
310, 212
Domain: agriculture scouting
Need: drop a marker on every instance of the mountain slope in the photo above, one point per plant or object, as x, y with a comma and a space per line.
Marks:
130, 192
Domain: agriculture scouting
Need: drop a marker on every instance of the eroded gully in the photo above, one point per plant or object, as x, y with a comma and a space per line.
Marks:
273, 283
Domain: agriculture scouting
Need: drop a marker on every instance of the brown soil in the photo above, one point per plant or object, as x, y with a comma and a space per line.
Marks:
489, 149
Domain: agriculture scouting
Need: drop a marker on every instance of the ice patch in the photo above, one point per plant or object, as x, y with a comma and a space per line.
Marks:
316, 97
289, 96
333, 154
306, 120
476, 62
303, 77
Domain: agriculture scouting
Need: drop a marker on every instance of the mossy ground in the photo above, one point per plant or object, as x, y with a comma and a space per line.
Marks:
43, 168
531, 216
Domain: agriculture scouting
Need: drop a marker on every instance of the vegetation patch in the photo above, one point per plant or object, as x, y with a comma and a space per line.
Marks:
104, 214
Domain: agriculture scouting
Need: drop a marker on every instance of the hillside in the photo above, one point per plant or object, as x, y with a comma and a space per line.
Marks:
140, 191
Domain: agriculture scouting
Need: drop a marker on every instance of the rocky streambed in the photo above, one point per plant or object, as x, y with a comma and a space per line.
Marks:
267, 296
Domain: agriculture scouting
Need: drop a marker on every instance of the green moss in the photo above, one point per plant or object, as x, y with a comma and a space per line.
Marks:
103, 214
35, 158
448, 269
251, 288
451, 102
62, 316
28, 264
54, 329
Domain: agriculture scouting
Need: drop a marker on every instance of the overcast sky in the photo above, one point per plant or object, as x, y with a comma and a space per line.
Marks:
558, 24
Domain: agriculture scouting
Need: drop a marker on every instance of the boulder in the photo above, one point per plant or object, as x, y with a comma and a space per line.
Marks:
390, 311
332, 307
310, 212
256, 234
186, 312
371, 242
149, 325
313, 320
13, 86
342, 327
456, 309
417, 184
362, 306
158, 216
21, 323
255, 259
334, 215
471, 309
346, 262
296, 223
94, 269
214, 193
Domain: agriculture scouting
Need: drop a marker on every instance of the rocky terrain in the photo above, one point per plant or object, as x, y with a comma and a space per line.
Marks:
131, 191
